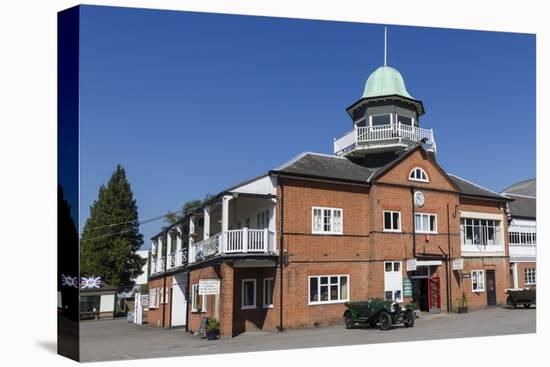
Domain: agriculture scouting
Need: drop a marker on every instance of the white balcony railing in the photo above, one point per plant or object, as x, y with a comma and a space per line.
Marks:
381, 134
181, 257
171, 261
157, 265
523, 252
160, 264
255, 241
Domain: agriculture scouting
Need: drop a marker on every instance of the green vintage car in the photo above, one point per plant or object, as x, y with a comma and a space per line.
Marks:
381, 312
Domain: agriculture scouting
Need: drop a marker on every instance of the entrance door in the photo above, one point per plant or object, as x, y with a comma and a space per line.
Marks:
491, 288
420, 293
393, 281
179, 302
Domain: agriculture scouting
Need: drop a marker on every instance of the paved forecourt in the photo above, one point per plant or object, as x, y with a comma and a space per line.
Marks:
118, 339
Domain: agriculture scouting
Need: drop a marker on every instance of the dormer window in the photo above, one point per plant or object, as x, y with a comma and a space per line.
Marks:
377, 120
418, 174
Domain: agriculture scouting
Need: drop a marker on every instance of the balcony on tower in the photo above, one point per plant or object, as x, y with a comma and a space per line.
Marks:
385, 119
382, 138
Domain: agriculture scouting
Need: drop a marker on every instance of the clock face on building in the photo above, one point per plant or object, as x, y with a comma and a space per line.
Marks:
419, 199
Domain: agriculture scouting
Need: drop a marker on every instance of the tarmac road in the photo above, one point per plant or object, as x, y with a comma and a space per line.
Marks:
118, 339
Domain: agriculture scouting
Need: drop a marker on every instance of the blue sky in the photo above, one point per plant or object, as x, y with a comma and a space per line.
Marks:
191, 103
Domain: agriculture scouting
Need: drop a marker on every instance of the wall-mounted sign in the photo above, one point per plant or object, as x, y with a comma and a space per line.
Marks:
411, 265
458, 264
90, 282
407, 288
209, 286
466, 275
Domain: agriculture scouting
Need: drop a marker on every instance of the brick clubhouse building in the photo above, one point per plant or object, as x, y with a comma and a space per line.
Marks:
379, 218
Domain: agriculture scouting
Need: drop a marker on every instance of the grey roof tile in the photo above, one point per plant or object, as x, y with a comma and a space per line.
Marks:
525, 188
472, 189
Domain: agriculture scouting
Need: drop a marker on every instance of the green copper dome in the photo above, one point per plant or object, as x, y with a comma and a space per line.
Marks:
385, 81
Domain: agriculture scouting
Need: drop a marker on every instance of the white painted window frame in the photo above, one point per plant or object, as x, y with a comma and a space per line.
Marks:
398, 230
248, 307
417, 231
392, 118
322, 231
193, 309
315, 303
404, 115
422, 171
482, 279
528, 272
483, 216
153, 298
264, 288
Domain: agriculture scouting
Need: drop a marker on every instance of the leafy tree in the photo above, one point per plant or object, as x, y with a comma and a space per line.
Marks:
187, 207
111, 236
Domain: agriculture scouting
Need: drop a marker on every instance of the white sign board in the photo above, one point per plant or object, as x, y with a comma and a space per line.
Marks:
411, 265
458, 264
209, 286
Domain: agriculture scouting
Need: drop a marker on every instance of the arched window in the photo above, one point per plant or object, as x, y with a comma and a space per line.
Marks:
418, 174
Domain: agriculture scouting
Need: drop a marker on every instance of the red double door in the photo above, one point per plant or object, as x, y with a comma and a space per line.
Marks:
434, 293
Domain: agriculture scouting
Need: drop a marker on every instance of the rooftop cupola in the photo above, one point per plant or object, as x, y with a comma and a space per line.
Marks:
385, 81
385, 119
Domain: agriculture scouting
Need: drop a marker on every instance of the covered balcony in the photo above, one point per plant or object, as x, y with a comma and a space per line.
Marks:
234, 241
522, 241
382, 138
242, 225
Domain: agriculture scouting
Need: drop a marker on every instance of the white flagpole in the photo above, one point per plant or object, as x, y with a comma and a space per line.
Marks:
385, 46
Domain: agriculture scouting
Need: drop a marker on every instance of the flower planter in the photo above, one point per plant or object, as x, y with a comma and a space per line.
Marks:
213, 335
462, 310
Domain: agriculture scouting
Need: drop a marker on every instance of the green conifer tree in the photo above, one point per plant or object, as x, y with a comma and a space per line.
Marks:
111, 236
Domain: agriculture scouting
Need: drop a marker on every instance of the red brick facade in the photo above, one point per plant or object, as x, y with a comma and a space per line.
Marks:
521, 273
359, 253
160, 316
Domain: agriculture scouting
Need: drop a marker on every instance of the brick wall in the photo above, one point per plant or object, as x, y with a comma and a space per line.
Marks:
155, 316
521, 273
259, 318
499, 265
194, 319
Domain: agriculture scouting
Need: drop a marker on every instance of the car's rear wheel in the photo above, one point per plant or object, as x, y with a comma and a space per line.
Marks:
384, 320
348, 320
527, 305
409, 319
512, 302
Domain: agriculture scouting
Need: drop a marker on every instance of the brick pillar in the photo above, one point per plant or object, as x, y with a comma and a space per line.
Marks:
226, 299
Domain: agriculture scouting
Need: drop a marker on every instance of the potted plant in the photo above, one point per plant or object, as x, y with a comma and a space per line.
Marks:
462, 304
212, 329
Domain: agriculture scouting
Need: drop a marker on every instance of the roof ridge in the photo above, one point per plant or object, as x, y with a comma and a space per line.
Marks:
518, 195
519, 183
302, 155
477, 185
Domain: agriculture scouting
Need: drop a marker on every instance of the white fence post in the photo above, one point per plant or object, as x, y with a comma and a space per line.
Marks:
266, 240
245, 239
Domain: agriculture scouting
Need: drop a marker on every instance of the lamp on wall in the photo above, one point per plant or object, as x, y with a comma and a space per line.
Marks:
285, 258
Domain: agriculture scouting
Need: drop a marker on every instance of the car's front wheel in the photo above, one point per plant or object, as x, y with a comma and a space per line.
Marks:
527, 305
409, 319
384, 320
348, 320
